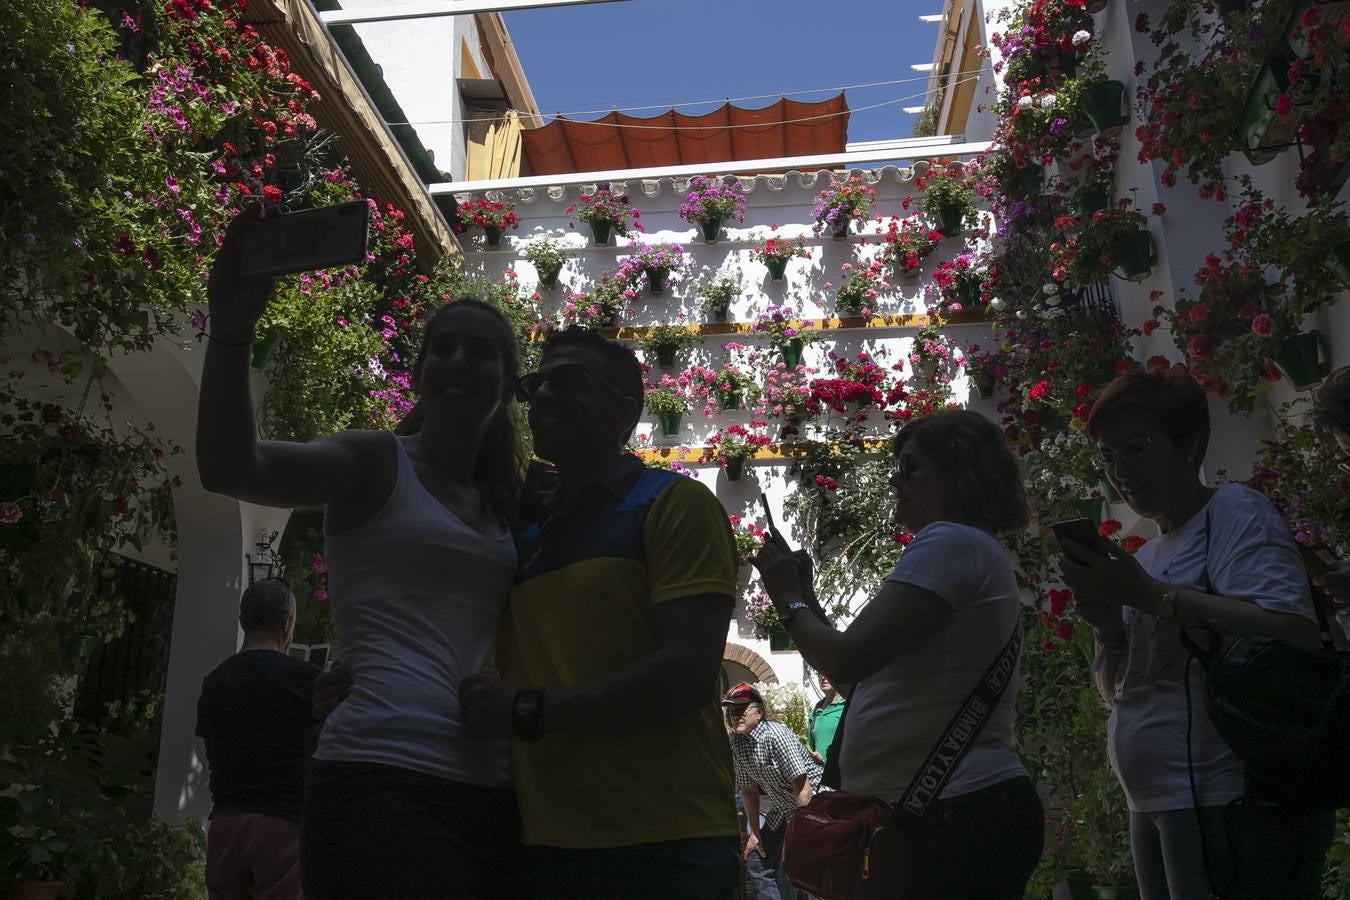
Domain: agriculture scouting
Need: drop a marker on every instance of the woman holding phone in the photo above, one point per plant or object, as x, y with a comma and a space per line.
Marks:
919, 648
1222, 555
400, 803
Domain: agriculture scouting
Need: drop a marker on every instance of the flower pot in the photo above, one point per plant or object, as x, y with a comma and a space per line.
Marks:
720, 313
263, 348
656, 280
670, 423
1134, 255
493, 235
548, 278
1082, 126
840, 231
848, 305
1096, 6
1339, 263
984, 383
1262, 133
1297, 357
1052, 58
665, 357
1109, 489
712, 230
792, 352
731, 401
1298, 38
950, 218
904, 271
777, 269
601, 231
735, 467
33, 890
969, 294
780, 641
1092, 199
1090, 509
1104, 104
1027, 180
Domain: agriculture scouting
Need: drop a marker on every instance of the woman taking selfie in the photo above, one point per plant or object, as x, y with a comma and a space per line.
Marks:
919, 648
400, 803
1224, 556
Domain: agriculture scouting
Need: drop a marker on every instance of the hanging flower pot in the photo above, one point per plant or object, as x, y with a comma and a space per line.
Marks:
777, 268
985, 383
780, 641
1027, 180
1053, 58
1096, 6
712, 230
840, 231
792, 352
1339, 263
1104, 104
670, 423
548, 278
1082, 126
950, 219
1134, 255
1109, 489
1262, 131
601, 230
735, 467
263, 348
1297, 357
1092, 199
665, 357
720, 313
493, 235
656, 280
731, 401
969, 292
1090, 509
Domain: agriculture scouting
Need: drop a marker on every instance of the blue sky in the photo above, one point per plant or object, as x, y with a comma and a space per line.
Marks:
640, 52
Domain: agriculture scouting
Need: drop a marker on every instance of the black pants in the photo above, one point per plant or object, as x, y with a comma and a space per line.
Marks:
372, 832
980, 846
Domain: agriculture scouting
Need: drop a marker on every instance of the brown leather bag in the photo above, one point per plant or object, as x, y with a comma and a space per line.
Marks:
849, 846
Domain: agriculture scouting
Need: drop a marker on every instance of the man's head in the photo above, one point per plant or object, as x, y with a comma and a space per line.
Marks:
585, 397
1331, 408
826, 688
744, 708
267, 609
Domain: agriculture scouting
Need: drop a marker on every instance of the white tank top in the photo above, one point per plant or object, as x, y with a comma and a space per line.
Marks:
417, 596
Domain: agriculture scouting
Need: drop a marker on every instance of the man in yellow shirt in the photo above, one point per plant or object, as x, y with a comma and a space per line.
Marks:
619, 617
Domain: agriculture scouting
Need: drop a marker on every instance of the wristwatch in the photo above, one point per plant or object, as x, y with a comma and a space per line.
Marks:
789, 612
527, 713
1167, 604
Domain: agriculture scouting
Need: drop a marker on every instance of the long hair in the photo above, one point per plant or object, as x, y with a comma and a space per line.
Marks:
500, 465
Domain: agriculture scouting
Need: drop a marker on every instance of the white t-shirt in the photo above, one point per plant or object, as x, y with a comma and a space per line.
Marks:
896, 715
1252, 556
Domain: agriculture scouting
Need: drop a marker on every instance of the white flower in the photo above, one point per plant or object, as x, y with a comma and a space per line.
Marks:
1052, 299
1024, 102
1081, 37
1050, 288
1048, 101
997, 304
1021, 314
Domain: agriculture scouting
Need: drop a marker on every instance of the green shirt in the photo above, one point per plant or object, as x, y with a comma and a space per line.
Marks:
824, 722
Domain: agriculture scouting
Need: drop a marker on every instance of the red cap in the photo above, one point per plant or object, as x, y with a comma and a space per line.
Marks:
742, 693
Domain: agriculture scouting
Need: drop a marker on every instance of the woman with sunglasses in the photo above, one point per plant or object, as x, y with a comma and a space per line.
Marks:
400, 801
1221, 555
919, 648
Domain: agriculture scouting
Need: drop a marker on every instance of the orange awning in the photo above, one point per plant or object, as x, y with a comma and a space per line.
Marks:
727, 134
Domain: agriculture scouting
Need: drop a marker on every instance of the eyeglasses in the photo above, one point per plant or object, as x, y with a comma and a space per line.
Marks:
1132, 450
737, 712
571, 378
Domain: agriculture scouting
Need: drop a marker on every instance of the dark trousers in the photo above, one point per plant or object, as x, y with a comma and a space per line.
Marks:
372, 832
980, 846
690, 869
252, 857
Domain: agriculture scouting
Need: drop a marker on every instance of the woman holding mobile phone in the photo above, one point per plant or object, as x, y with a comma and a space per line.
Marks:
1222, 555
919, 648
400, 802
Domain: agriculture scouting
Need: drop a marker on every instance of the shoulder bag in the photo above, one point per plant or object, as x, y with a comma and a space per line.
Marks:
845, 845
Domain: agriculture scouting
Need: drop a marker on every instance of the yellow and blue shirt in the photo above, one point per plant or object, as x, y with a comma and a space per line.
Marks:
587, 578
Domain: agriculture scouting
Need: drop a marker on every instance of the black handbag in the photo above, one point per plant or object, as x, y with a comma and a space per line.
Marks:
1284, 711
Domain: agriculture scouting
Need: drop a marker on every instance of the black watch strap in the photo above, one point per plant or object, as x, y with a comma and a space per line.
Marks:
527, 714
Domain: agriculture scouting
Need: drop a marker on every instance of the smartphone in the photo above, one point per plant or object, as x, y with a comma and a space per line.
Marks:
769, 527
306, 240
1080, 531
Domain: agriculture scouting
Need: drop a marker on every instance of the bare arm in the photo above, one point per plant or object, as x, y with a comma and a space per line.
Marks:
801, 790
678, 676
750, 804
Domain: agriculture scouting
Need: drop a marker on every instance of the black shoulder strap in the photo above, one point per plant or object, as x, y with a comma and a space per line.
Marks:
958, 738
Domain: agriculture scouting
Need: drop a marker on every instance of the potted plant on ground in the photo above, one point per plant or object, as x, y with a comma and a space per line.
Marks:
658, 264
842, 204
492, 216
906, 244
947, 198
709, 203
784, 336
607, 213
663, 341
733, 445
547, 256
861, 288
775, 252
668, 402
715, 296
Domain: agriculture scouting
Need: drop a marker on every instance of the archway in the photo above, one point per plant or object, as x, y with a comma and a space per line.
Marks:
737, 662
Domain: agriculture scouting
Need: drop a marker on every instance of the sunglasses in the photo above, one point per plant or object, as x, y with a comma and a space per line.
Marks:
1132, 450
571, 378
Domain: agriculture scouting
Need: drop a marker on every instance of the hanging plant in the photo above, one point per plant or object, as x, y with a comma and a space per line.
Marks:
668, 401
947, 197
776, 324
1114, 240
709, 203
658, 264
603, 307
906, 244
861, 288
607, 213
548, 258
957, 286
725, 389
662, 342
716, 296
749, 538
843, 204
733, 445
493, 216
775, 252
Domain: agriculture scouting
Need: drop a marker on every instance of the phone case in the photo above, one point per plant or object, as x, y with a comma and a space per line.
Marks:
306, 240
